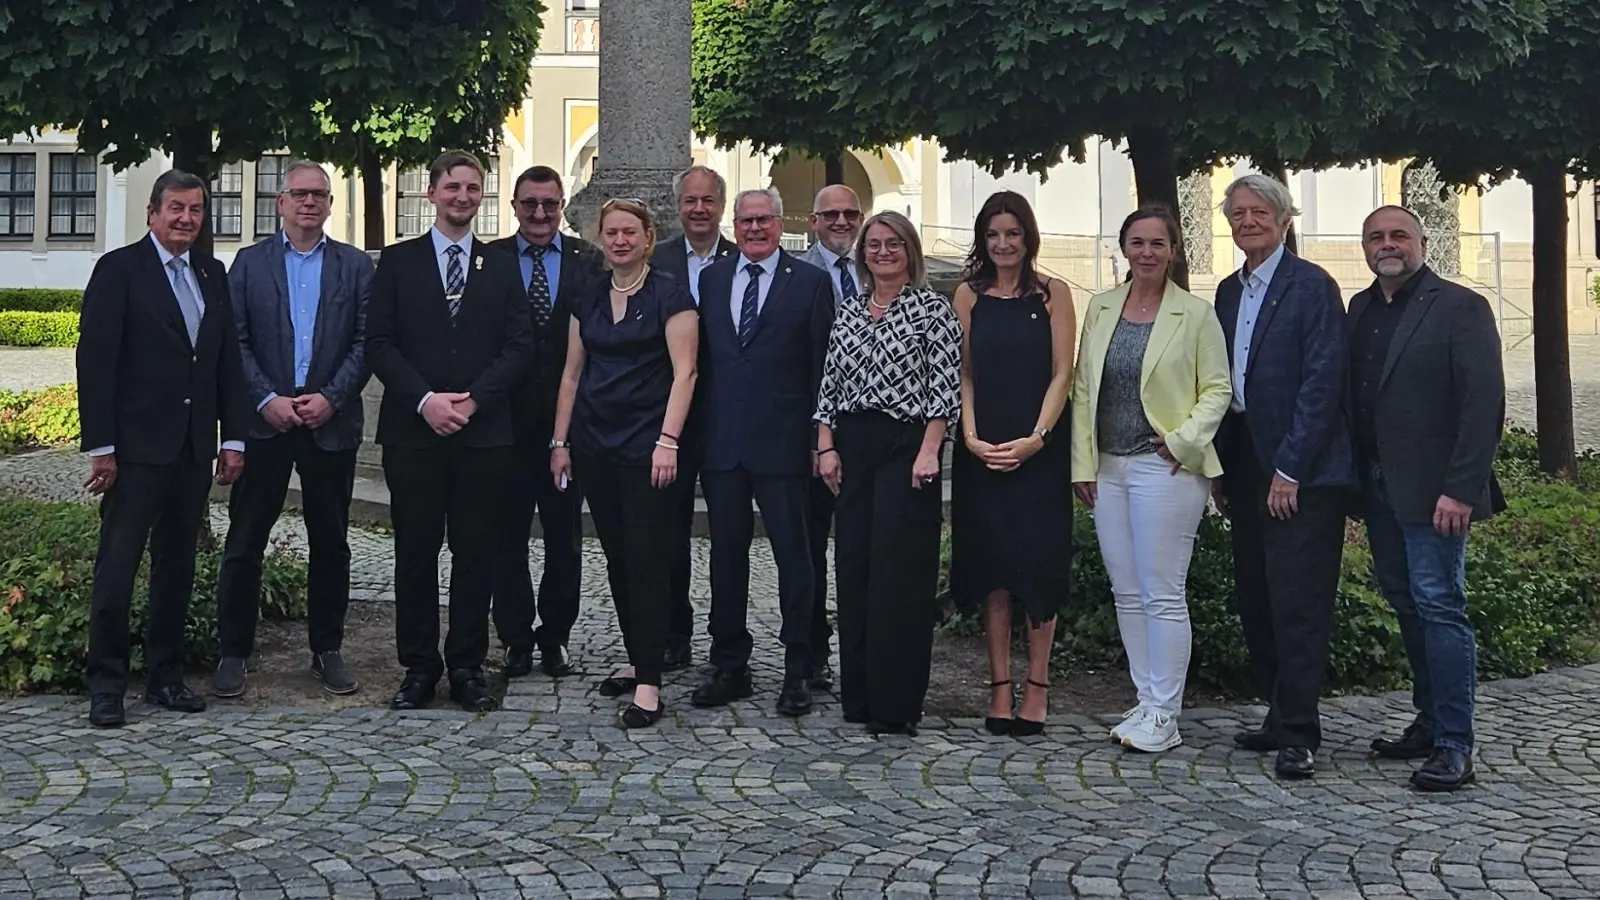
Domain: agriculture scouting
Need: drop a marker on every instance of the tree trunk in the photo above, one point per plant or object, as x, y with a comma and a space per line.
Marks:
833, 168
1281, 173
1552, 365
1155, 178
371, 170
191, 152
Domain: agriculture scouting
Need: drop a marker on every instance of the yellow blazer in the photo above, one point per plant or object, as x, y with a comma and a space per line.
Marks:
1184, 384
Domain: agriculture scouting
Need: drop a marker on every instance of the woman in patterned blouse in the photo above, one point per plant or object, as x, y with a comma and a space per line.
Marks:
891, 387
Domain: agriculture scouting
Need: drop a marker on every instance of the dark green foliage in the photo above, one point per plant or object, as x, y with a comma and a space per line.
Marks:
45, 418
40, 300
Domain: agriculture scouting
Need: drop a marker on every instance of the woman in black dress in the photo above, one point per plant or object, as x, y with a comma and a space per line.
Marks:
625, 392
1012, 478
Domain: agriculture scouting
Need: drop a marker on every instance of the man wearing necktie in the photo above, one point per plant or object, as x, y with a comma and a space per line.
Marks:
766, 319
557, 270
836, 219
450, 336
158, 373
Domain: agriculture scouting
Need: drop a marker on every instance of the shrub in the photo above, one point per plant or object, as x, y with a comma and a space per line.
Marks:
1594, 291
47, 553
39, 329
45, 418
40, 300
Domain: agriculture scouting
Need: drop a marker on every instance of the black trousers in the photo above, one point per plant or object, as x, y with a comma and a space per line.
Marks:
819, 522
162, 506
1286, 579
530, 488
784, 502
887, 567
449, 491
680, 623
634, 521
327, 478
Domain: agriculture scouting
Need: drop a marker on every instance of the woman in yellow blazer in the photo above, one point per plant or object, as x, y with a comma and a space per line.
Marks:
1151, 387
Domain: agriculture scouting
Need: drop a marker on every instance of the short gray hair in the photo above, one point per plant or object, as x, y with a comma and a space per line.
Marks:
1270, 189
816, 202
769, 193
298, 165
1422, 230
174, 180
677, 182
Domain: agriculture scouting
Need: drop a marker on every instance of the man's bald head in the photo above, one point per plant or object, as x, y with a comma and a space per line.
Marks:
836, 218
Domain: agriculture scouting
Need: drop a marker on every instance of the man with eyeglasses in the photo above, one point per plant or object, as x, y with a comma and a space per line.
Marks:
300, 308
558, 270
836, 219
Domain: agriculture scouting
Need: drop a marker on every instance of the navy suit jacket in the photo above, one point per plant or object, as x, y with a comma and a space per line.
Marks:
1294, 378
759, 397
259, 286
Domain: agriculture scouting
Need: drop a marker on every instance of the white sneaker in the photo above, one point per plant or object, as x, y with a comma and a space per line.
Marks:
1155, 732
1130, 720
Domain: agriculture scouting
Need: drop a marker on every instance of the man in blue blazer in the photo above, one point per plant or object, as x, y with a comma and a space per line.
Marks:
1287, 465
300, 307
765, 320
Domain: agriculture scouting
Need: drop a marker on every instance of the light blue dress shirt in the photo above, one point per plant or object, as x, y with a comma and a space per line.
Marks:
552, 265
697, 264
304, 273
741, 283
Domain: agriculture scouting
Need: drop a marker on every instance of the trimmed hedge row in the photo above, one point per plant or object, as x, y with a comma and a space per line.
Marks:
39, 329
40, 300
45, 418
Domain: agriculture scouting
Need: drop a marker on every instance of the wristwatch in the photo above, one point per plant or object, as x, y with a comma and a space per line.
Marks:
559, 444
1042, 434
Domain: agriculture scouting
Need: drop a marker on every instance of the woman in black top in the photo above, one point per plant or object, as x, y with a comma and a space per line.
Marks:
891, 384
625, 392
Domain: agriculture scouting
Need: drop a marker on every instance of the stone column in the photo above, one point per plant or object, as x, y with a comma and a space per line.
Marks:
644, 111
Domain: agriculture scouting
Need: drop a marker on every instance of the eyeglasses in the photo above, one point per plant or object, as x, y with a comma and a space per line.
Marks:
757, 221
832, 215
892, 245
549, 206
300, 194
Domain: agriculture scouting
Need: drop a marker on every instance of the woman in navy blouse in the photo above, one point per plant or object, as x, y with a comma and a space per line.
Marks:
625, 392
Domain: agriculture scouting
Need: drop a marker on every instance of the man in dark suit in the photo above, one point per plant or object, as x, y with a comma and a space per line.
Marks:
300, 306
158, 371
766, 318
450, 337
702, 195
1286, 463
1427, 394
557, 271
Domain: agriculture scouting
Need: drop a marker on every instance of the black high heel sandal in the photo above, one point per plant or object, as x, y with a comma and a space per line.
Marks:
996, 724
1022, 727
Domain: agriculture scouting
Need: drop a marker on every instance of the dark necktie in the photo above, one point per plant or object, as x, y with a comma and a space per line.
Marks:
847, 285
747, 311
539, 285
455, 279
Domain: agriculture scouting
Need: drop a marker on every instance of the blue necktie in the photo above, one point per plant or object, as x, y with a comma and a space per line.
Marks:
747, 311
847, 285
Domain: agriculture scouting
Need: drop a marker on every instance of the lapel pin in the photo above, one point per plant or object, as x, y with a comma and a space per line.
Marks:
787, 270
477, 263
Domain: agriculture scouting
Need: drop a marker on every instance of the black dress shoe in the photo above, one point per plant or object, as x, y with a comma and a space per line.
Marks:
881, 728
678, 655
176, 697
105, 711
1445, 770
1296, 762
556, 663
616, 686
468, 689
1259, 741
821, 678
635, 716
416, 691
1415, 743
723, 688
517, 663
795, 698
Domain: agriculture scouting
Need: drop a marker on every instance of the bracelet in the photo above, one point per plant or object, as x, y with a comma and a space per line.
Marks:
670, 437
661, 443
558, 444
827, 450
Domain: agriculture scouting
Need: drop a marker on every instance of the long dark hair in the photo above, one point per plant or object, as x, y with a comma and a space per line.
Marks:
980, 271
1151, 211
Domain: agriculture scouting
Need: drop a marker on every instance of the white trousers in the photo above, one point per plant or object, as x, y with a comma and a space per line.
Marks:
1146, 519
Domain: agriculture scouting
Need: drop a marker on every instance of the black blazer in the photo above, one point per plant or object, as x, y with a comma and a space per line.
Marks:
759, 397
673, 259
414, 348
1441, 400
259, 285
142, 387
533, 404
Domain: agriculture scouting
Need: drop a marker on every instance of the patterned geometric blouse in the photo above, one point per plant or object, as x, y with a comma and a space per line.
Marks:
907, 364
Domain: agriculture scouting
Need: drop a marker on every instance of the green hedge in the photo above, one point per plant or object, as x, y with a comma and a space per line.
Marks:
47, 553
39, 329
44, 418
40, 300
1533, 583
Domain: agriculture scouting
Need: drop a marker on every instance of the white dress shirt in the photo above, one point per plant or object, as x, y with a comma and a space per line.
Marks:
1255, 284
441, 245
741, 281
698, 264
832, 259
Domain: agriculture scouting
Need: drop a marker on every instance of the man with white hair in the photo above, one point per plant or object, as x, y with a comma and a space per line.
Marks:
1287, 465
766, 319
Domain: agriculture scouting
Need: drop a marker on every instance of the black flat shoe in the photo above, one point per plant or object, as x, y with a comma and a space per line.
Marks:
1295, 763
1025, 727
795, 698
106, 711
517, 663
616, 686
416, 692
176, 697
1415, 743
1446, 770
723, 688
635, 716
999, 725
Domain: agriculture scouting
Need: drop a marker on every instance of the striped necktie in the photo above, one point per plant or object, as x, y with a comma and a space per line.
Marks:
455, 279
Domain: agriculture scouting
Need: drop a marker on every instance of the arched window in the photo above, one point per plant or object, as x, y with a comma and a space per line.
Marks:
1437, 205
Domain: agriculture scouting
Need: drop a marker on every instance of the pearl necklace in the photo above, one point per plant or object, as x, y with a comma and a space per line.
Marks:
632, 287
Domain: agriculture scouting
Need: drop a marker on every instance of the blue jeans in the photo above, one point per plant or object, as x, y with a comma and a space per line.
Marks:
1422, 574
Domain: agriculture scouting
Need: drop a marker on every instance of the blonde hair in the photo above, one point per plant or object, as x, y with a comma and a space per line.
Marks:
635, 208
916, 265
